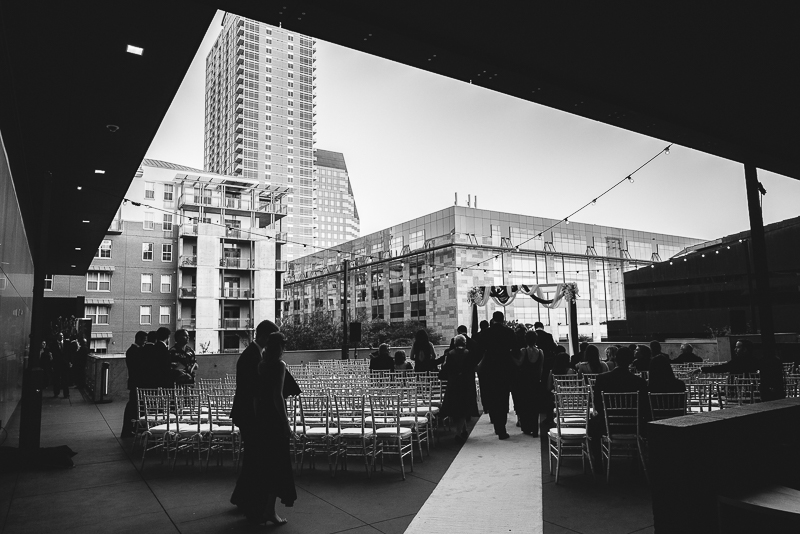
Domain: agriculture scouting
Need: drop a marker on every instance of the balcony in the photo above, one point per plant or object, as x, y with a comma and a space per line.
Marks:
115, 227
275, 209
236, 324
237, 263
188, 230
281, 237
236, 293
281, 265
188, 261
187, 292
192, 200
188, 324
281, 294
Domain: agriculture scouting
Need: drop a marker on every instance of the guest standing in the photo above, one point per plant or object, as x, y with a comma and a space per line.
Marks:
460, 400
272, 431
243, 414
62, 363
182, 359
548, 346
162, 366
133, 361
480, 350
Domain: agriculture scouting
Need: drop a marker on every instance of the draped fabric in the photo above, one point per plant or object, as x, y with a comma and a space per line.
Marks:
505, 295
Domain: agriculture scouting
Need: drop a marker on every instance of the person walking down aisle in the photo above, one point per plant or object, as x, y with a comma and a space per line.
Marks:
273, 461
133, 361
244, 416
460, 398
497, 367
526, 384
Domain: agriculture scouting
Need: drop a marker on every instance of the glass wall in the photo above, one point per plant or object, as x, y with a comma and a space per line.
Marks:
16, 294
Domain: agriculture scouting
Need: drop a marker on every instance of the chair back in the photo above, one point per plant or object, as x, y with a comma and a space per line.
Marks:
572, 408
156, 408
621, 411
189, 411
349, 411
314, 412
792, 386
666, 405
219, 411
385, 411
569, 381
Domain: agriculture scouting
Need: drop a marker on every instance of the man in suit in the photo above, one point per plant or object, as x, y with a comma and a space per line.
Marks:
620, 380
61, 366
148, 373
462, 331
162, 364
478, 345
497, 367
243, 412
133, 361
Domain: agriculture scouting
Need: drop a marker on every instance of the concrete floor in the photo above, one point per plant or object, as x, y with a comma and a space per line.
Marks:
105, 492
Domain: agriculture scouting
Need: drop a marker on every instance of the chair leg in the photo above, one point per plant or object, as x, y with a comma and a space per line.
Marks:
400, 454
558, 460
641, 457
144, 450
608, 463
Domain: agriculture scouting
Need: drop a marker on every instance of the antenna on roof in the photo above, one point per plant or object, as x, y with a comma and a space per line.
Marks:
456, 203
469, 199
476, 201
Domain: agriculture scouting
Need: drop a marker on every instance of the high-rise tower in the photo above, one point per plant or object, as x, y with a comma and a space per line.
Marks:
259, 119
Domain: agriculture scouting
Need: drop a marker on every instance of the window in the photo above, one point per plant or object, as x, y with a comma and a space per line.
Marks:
148, 221
147, 283
144, 315
147, 251
149, 190
166, 252
416, 240
98, 346
167, 224
169, 190
105, 249
48, 282
396, 311
98, 281
163, 315
98, 314
166, 283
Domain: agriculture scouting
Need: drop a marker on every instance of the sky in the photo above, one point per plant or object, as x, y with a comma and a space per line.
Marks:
412, 139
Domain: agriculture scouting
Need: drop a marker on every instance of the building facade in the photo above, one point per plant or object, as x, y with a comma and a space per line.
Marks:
336, 217
710, 289
422, 270
259, 115
189, 249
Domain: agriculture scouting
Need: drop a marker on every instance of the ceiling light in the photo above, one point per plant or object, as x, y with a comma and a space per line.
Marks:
85, 222
73, 266
135, 50
99, 171
77, 248
80, 188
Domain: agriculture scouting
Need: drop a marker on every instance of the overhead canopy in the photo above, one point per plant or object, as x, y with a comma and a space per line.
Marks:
714, 77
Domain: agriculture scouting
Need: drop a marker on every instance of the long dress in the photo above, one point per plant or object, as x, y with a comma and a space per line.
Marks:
526, 386
460, 399
271, 445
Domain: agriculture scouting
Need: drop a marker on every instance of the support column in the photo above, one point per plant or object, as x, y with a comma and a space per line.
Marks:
345, 348
771, 371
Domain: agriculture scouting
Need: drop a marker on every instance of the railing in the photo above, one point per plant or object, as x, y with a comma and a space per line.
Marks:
188, 261
281, 265
115, 226
275, 209
213, 202
236, 324
237, 263
235, 233
189, 324
230, 351
281, 294
281, 237
188, 292
236, 293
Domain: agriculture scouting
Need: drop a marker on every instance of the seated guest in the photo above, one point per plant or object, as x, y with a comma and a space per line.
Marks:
687, 355
641, 358
661, 377
592, 363
576, 359
560, 367
400, 362
383, 361
655, 349
611, 357
620, 380
743, 361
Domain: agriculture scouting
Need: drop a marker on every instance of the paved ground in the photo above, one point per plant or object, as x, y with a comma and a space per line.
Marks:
105, 492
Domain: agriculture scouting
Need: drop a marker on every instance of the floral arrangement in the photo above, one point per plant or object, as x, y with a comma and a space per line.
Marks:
569, 291
473, 295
